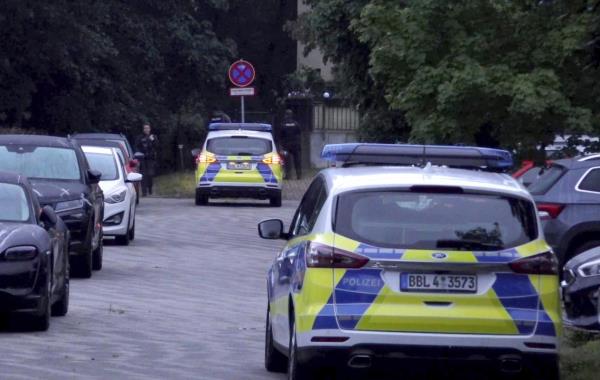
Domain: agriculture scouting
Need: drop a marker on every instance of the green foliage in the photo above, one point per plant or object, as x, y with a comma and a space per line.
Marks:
516, 66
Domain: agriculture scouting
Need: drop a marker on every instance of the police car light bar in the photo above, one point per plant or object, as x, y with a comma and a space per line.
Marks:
466, 157
240, 126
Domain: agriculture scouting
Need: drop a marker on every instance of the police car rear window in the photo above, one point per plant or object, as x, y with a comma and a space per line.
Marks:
239, 146
433, 220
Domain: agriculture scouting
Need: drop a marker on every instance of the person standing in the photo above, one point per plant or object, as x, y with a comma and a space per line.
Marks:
147, 144
291, 140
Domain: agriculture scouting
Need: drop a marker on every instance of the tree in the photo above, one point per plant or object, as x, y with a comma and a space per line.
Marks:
515, 68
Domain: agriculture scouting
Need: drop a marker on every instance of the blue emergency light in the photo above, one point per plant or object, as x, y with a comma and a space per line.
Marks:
259, 127
466, 157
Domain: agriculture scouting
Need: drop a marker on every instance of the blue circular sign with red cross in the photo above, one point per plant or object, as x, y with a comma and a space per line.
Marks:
242, 73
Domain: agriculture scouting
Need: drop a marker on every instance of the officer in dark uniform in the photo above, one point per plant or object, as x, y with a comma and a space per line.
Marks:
147, 144
291, 140
219, 116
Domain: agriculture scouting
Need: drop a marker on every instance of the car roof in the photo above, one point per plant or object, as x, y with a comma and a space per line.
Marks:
99, 136
36, 140
98, 150
14, 178
379, 177
264, 135
579, 162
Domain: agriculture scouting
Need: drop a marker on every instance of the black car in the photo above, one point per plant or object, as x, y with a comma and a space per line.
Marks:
34, 255
581, 289
61, 178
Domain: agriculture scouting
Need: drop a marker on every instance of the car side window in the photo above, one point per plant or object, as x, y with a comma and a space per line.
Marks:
304, 215
591, 181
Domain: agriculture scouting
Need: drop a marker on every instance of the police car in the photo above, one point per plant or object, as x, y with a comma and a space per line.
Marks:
405, 253
239, 160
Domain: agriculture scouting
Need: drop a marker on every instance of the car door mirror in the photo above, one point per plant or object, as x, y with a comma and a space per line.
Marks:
272, 229
48, 217
139, 155
134, 177
196, 152
94, 176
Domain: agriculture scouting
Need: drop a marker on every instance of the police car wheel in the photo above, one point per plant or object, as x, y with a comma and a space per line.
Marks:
275, 361
296, 371
275, 201
201, 200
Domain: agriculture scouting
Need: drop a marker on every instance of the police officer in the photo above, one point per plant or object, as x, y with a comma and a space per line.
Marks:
291, 140
219, 116
147, 143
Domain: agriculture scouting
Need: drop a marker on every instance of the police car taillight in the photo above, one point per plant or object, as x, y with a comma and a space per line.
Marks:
206, 158
272, 159
544, 263
324, 256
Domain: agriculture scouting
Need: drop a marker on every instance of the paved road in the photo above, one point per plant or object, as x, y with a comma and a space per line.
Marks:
185, 301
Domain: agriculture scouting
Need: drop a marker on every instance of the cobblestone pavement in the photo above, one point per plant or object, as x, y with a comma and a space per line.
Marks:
186, 300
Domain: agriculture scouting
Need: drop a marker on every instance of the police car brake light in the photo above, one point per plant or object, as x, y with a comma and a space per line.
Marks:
272, 159
544, 263
258, 127
206, 158
466, 157
324, 256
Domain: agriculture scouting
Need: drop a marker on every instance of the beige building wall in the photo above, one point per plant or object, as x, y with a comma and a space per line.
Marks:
315, 58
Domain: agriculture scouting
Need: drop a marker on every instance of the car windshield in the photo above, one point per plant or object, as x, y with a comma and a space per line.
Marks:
105, 164
40, 162
13, 203
239, 146
413, 220
546, 180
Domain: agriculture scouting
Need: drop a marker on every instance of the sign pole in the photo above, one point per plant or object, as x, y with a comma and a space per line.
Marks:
243, 110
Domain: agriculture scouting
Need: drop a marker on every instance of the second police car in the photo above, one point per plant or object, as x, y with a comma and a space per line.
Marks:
415, 258
239, 160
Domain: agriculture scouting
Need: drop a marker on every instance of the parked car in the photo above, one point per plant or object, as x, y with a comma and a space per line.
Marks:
567, 195
529, 172
119, 192
61, 178
34, 255
113, 140
581, 289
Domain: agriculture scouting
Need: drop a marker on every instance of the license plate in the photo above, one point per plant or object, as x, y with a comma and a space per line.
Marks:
460, 283
239, 166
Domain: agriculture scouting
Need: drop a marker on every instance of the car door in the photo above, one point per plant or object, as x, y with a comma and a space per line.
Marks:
284, 273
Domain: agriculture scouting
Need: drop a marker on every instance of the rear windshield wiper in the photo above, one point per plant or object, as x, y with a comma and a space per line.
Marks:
468, 244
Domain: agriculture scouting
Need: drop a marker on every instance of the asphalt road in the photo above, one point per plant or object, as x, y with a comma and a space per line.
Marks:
186, 300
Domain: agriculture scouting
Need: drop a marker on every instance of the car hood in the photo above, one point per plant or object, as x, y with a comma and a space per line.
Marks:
109, 186
15, 234
582, 258
50, 192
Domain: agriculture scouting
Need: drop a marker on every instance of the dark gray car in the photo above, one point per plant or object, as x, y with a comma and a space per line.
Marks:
567, 195
581, 289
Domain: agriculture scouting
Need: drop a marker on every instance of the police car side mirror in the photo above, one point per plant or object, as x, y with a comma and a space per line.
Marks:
271, 229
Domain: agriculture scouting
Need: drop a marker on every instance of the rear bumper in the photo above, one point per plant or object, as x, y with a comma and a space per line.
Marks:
238, 190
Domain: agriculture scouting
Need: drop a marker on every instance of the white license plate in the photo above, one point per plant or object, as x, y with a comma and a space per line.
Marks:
239, 166
460, 283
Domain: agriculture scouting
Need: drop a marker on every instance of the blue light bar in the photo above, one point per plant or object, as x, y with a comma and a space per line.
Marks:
240, 126
467, 157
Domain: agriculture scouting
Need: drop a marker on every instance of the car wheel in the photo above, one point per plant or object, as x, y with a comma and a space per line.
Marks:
82, 265
132, 232
275, 201
275, 361
61, 307
41, 322
124, 239
201, 200
98, 254
296, 371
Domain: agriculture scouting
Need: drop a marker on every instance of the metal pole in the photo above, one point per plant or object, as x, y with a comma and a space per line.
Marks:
243, 110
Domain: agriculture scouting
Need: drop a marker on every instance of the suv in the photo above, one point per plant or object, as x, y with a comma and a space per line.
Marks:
568, 198
238, 160
61, 177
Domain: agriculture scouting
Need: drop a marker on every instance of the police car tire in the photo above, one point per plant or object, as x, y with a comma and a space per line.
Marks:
296, 371
275, 361
275, 201
201, 200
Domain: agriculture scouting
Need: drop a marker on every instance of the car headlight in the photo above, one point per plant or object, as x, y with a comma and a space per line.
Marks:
21, 253
117, 197
69, 205
589, 269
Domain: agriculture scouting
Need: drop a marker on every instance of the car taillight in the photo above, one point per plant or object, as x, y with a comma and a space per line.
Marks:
272, 159
552, 209
206, 158
324, 256
544, 263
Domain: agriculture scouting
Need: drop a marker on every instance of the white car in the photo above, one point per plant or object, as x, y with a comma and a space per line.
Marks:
119, 192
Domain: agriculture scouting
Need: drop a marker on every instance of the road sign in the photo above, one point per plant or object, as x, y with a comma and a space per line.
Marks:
242, 73
242, 91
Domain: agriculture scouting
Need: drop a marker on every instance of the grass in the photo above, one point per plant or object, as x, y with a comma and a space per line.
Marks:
176, 185
580, 355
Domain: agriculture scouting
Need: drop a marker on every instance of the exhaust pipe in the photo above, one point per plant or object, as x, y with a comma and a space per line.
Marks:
511, 364
360, 361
